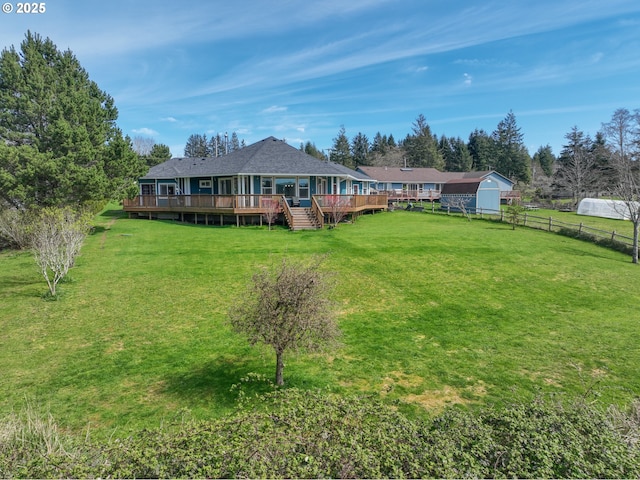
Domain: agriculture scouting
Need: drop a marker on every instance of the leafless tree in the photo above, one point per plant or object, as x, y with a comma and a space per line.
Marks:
287, 308
143, 145
460, 203
272, 210
623, 137
338, 207
578, 170
14, 227
56, 236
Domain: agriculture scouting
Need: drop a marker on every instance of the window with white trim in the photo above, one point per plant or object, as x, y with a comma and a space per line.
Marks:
303, 188
148, 188
267, 186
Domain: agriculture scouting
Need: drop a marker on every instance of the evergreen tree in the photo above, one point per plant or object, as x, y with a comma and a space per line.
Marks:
216, 146
379, 144
197, 146
235, 143
360, 150
341, 151
311, 149
602, 156
512, 158
456, 154
545, 158
577, 171
481, 149
160, 153
58, 135
391, 141
422, 146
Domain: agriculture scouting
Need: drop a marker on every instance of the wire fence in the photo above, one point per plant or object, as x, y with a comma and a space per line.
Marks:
611, 239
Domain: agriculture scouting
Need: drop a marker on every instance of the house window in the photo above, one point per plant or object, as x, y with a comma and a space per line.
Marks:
356, 189
267, 186
167, 188
205, 183
303, 188
148, 189
286, 187
225, 186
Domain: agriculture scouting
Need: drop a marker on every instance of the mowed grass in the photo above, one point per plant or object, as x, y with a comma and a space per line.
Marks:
435, 310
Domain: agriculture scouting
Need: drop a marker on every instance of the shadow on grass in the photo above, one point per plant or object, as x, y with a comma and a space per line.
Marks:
23, 287
219, 381
114, 214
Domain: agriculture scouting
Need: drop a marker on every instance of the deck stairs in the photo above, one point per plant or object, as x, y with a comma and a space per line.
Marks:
303, 219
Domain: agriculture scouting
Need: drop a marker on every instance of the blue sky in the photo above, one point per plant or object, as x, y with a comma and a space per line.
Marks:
300, 69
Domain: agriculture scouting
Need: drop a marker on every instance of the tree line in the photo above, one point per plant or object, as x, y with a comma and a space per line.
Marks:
503, 150
199, 146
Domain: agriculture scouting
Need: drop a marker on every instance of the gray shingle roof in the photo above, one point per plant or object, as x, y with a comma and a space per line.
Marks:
266, 157
418, 175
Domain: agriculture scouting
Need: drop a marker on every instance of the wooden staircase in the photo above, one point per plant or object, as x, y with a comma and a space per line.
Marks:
303, 219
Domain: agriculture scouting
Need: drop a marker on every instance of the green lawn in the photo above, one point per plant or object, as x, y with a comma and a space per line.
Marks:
435, 310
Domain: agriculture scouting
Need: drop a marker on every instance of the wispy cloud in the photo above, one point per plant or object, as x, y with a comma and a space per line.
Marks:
274, 109
145, 131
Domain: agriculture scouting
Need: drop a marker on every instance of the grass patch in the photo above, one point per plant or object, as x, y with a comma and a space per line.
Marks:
435, 311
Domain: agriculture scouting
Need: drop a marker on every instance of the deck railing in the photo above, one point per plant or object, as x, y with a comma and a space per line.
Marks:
317, 211
353, 202
238, 203
213, 202
286, 209
402, 194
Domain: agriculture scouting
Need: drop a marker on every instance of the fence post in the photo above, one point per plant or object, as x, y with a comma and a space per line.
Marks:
613, 235
525, 219
550, 223
501, 215
580, 229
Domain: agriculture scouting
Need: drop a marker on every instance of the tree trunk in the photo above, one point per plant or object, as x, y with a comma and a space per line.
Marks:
636, 227
279, 368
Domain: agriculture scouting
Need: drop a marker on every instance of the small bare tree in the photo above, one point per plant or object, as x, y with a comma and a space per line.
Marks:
338, 208
14, 227
623, 135
56, 237
461, 203
287, 308
272, 210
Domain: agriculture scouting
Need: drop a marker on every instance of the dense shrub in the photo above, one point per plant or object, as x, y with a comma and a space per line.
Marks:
293, 434
296, 434
606, 242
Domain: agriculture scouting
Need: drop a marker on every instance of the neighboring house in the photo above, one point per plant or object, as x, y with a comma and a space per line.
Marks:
427, 183
245, 183
472, 195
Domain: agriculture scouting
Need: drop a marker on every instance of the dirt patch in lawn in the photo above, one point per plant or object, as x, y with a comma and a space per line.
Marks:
439, 399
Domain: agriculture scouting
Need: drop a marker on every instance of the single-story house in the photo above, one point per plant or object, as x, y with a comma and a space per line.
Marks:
473, 195
244, 184
427, 183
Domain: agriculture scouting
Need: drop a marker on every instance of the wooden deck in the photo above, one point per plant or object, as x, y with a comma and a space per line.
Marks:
221, 208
